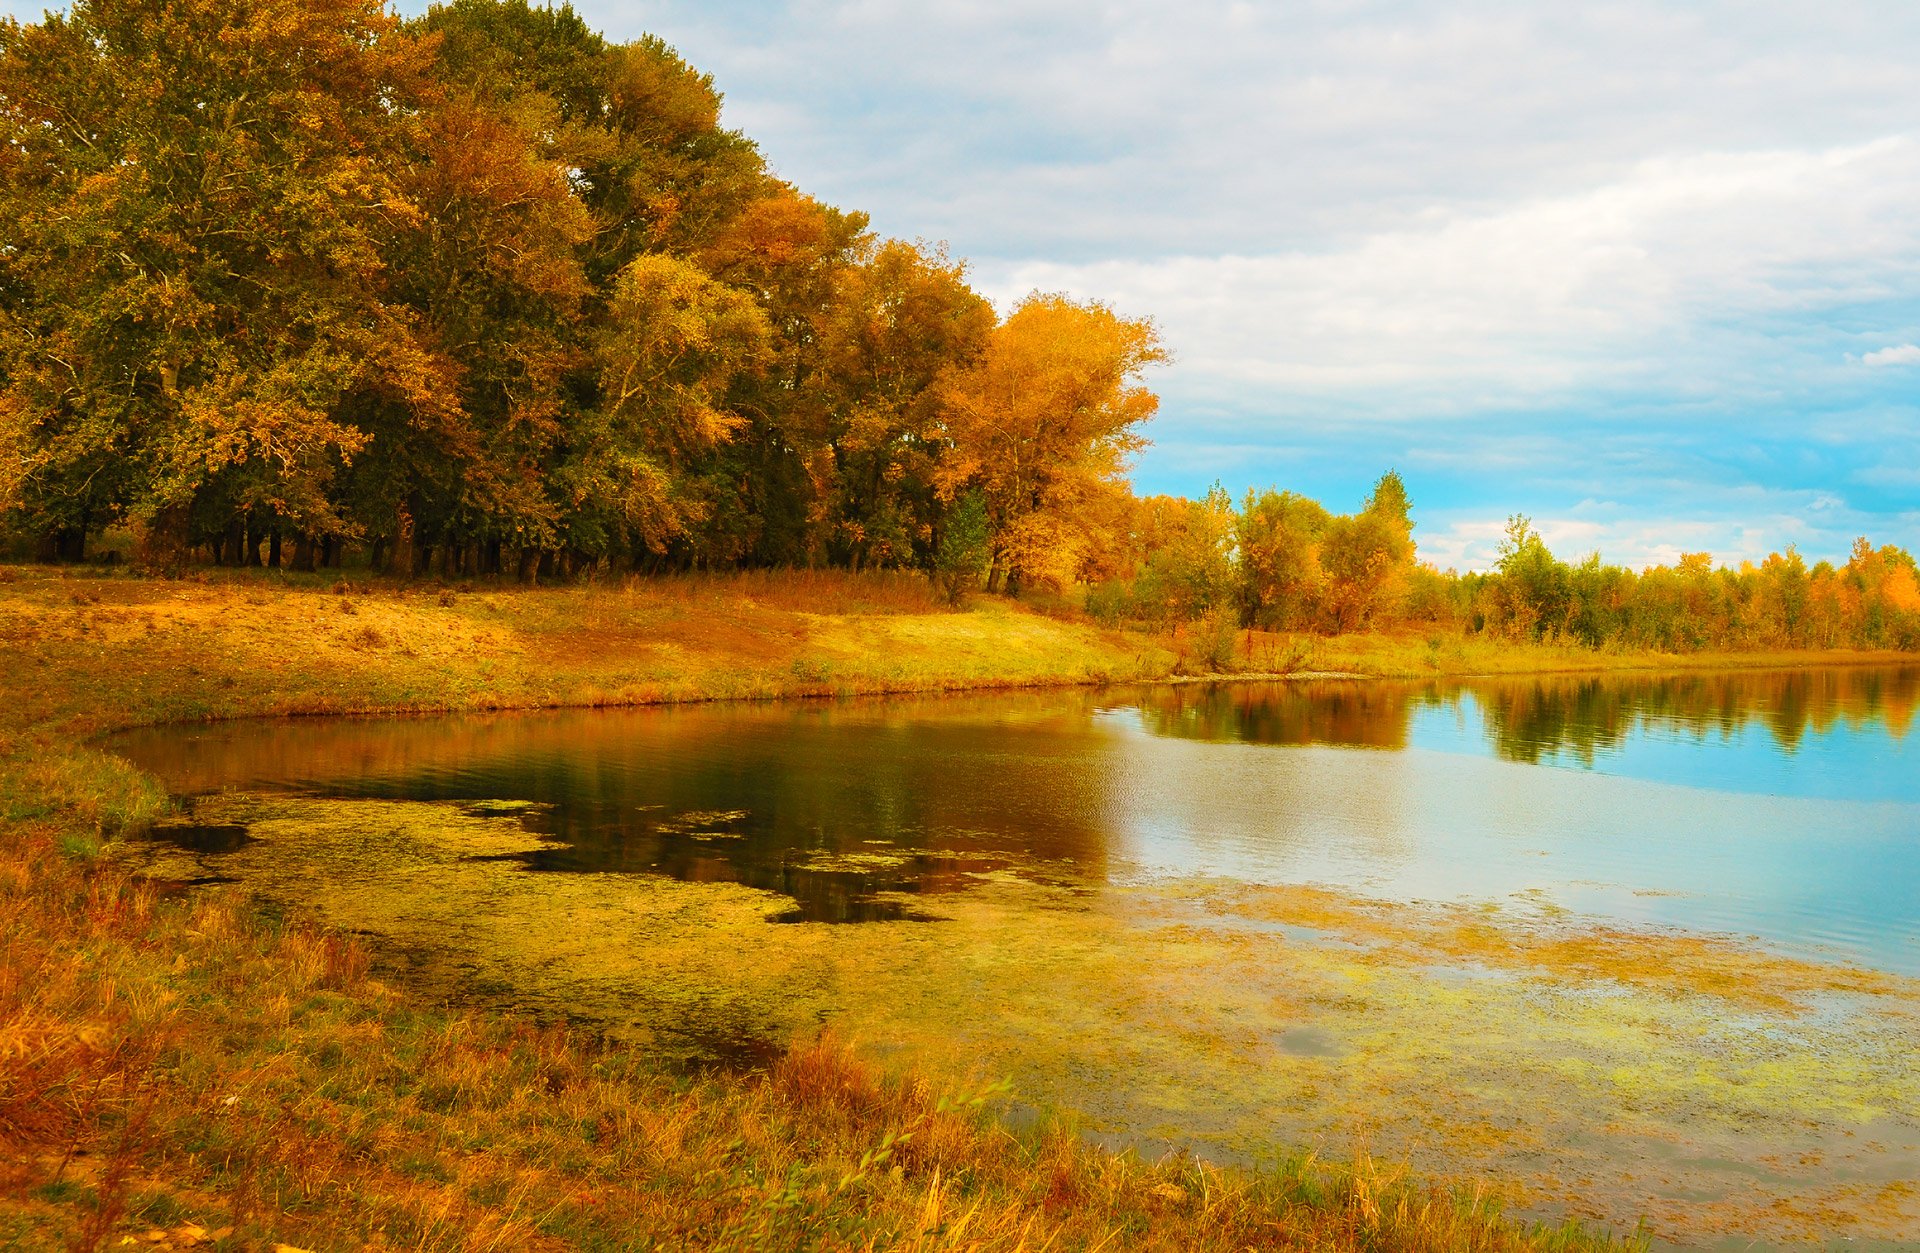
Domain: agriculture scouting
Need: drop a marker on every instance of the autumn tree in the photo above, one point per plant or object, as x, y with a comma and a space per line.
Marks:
901, 320
201, 198
1280, 580
1366, 556
672, 344
1190, 553
1044, 425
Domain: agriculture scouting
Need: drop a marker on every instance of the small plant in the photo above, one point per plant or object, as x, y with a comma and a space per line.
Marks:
1108, 603
965, 548
1215, 640
79, 846
810, 670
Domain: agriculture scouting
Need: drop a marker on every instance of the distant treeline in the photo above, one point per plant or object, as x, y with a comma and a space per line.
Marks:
1282, 562
483, 293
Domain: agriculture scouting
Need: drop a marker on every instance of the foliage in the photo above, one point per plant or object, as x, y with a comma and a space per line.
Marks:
487, 288
1044, 423
966, 549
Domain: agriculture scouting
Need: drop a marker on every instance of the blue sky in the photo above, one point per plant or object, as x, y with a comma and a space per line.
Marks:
1649, 273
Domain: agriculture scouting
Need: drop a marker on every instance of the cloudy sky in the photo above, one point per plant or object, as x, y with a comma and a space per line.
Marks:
1649, 273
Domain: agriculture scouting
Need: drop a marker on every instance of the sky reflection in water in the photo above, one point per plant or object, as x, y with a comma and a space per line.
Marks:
1780, 804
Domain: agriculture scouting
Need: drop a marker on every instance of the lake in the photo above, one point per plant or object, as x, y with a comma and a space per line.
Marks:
1634, 945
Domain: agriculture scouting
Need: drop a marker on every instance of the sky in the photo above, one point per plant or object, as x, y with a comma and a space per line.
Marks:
1647, 273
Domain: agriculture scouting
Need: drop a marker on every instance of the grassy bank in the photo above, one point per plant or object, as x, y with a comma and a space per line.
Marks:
96, 653
186, 1068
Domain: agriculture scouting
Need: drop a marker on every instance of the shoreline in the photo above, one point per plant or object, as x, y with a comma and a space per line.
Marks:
247, 645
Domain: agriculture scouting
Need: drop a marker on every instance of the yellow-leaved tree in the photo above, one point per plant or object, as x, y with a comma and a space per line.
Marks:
674, 342
1043, 425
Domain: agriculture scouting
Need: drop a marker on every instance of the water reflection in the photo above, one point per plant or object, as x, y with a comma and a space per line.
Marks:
1784, 804
1528, 718
1587, 721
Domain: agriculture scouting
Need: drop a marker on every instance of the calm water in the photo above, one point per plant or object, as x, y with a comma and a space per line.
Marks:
1782, 805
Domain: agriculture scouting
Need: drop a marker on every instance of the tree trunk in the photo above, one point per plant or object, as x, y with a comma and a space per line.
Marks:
273, 549
403, 559
164, 542
546, 564
492, 561
377, 556
529, 562
250, 543
303, 553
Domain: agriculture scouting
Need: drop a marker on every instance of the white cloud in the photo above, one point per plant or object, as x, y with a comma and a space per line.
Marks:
1904, 354
1629, 280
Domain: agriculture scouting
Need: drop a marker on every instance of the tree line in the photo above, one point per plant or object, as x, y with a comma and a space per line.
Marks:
486, 293
1282, 562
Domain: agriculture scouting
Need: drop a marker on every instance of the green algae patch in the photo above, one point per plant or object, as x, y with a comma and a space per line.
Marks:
854, 862
504, 808
1593, 1069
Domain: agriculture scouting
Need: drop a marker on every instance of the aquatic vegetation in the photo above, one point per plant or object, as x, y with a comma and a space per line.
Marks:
219, 1072
1611, 1072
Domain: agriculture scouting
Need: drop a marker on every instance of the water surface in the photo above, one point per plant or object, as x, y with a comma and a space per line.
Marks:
1783, 805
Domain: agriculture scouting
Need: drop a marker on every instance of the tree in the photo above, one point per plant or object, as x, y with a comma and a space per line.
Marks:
902, 319
1044, 424
1281, 580
1534, 583
965, 547
201, 195
1366, 556
673, 343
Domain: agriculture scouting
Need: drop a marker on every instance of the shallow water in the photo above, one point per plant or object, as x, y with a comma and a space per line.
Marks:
1495, 926
1783, 805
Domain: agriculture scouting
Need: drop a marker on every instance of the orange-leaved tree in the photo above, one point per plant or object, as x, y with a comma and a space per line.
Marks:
1044, 425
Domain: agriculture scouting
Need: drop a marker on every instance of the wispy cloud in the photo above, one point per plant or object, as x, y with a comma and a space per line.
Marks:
1902, 354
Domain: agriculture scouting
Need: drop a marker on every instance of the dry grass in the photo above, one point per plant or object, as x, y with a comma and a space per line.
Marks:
1419, 654
103, 652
